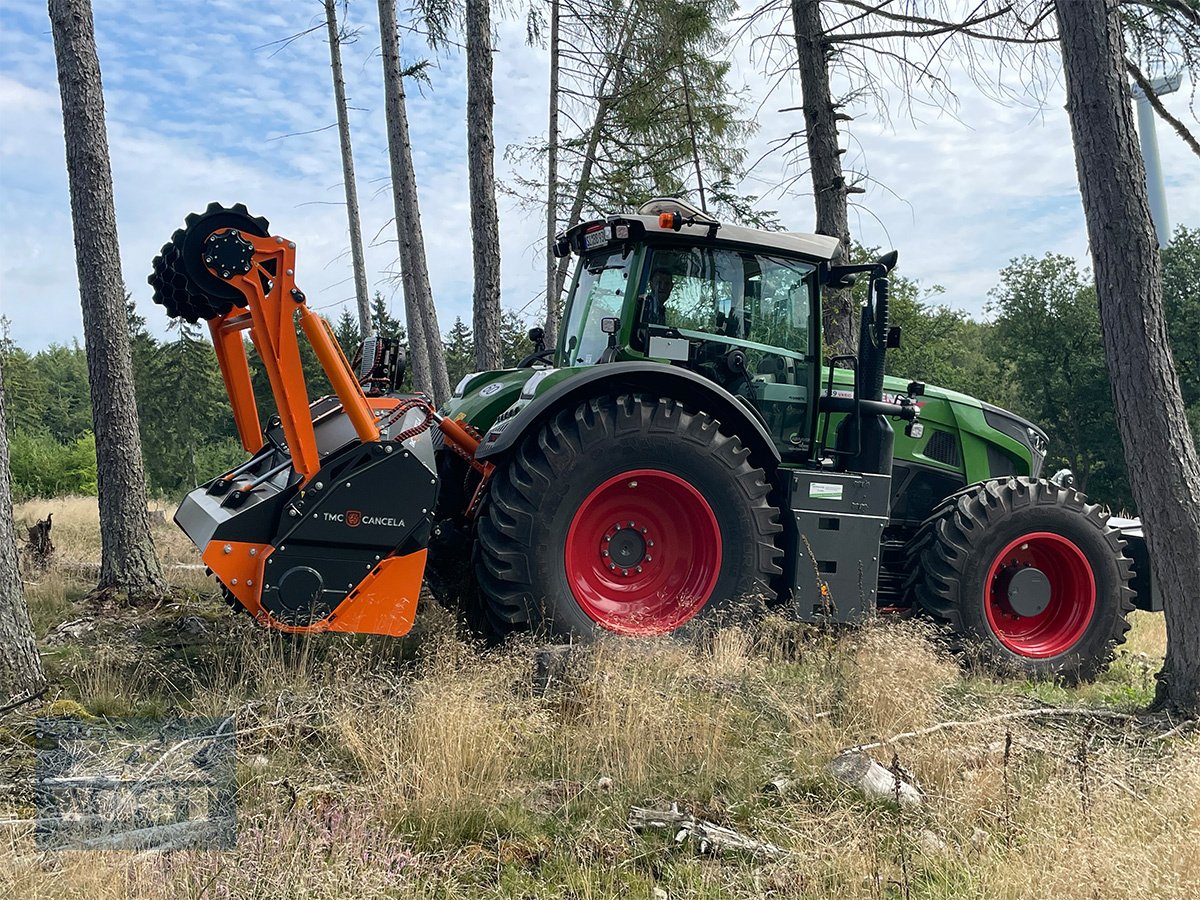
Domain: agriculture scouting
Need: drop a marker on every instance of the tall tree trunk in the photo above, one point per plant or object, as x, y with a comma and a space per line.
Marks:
20, 666
1164, 468
424, 336
485, 221
605, 93
552, 292
691, 120
343, 117
128, 564
839, 322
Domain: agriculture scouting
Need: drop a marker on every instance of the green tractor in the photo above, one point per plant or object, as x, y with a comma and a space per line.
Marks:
683, 451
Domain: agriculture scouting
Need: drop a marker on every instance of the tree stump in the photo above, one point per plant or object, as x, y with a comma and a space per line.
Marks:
39, 546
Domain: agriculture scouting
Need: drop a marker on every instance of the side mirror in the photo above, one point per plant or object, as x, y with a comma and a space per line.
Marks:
889, 260
538, 337
893, 338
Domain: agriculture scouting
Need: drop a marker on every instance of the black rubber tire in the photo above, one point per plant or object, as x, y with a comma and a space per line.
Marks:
950, 557
520, 549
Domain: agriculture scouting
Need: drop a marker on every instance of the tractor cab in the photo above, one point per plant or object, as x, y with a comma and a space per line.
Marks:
738, 306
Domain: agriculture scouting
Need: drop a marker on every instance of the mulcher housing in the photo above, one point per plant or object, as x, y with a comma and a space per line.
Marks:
682, 451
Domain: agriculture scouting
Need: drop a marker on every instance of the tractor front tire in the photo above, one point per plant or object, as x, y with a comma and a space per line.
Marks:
1028, 573
625, 514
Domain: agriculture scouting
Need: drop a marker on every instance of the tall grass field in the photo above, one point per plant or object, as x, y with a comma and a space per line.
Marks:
431, 767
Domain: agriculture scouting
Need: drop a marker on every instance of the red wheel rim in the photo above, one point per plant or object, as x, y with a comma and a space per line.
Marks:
1058, 627
643, 553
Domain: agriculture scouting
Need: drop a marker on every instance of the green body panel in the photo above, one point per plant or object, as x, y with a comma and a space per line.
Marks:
484, 397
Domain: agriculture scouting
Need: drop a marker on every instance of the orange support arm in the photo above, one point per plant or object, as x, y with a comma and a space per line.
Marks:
235, 369
274, 300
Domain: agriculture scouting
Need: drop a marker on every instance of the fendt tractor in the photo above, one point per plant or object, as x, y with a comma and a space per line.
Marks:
683, 452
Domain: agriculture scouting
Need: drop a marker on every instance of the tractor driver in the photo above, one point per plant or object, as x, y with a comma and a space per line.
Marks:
655, 305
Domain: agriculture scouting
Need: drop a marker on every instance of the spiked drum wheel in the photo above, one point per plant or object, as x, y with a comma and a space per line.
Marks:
182, 282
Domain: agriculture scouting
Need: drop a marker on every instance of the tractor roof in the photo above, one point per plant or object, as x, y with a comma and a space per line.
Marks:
698, 224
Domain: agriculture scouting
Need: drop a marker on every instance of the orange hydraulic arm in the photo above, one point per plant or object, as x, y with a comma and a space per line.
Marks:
274, 301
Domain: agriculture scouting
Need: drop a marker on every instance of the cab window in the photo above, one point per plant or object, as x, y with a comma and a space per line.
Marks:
729, 293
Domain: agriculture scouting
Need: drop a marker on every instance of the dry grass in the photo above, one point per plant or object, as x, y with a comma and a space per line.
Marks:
427, 768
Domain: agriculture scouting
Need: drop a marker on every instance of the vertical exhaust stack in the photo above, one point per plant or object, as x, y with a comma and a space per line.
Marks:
875, 437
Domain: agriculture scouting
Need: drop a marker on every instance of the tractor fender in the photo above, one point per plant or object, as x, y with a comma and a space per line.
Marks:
1144, 584
679, 384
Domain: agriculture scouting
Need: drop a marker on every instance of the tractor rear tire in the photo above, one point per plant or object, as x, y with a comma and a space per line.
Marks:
625, 514
1064, 616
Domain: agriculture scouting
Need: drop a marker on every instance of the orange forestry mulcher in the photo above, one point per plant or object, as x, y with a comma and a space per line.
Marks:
326, 526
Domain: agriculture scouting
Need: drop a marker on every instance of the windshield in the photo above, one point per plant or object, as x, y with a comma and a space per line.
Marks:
599, 293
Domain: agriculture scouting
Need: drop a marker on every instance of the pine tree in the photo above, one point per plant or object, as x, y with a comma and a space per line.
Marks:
460, 351
347, 332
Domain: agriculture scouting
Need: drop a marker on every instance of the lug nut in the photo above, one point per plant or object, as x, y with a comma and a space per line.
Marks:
639, 568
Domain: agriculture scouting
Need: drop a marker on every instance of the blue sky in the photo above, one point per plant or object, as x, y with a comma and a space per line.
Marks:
197, 104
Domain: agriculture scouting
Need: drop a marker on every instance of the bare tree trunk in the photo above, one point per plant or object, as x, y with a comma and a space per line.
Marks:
343, 117
1164, 468
687, 100
839, 323
424, 336
128, 564
485, 220
552, 292
20, 666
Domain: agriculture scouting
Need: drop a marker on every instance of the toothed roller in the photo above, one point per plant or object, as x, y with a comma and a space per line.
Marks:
182, 282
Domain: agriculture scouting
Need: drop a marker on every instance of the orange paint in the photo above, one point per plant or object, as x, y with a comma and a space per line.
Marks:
240, 570
385, 602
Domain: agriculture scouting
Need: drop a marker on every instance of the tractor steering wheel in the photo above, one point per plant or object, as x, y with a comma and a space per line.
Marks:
542, 356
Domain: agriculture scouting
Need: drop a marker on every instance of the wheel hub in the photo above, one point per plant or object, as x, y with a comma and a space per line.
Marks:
1029, 591
1040, 595
625, 548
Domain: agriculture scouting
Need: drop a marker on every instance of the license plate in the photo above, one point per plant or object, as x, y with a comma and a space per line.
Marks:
596, 238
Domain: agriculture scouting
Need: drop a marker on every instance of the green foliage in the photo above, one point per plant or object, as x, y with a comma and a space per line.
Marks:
384, 323
182, 408
1181, 297
346, 332
460, 351
1046, 342
45, 467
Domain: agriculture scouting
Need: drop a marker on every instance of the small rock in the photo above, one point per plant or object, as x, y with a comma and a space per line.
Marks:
660, 894
604, 783
780, 784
